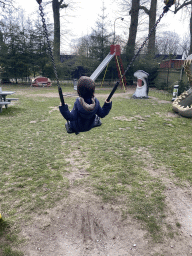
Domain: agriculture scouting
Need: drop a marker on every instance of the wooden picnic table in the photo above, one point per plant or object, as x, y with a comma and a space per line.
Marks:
5, 101
4, 94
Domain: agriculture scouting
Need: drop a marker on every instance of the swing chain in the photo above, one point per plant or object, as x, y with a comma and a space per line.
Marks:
50, 52
48, 42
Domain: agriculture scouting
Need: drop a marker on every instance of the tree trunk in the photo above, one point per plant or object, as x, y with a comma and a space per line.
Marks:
179, 7
190, 50
56, 17
130, 47
152, 20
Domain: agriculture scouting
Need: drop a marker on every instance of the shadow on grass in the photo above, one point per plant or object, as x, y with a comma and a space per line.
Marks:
11, 111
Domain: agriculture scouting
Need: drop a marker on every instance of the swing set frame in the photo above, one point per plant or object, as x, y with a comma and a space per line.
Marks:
168, 4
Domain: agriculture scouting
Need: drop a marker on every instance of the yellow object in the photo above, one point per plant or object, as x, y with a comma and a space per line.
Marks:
187, 67
0, 216
120, 72
167, 1
104, 75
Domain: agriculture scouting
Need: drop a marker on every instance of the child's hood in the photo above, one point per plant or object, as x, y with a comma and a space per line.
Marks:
87, 108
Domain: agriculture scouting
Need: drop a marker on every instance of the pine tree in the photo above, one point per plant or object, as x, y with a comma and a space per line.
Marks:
100, 39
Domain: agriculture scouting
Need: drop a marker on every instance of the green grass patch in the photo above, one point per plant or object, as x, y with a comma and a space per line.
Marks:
8, 239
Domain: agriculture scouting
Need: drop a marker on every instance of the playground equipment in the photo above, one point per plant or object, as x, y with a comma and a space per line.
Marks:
188, 68
40, 81
168, 4
115, 51
183, 103
142, 85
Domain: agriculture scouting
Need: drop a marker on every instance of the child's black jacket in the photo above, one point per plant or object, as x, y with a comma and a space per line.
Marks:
82, 118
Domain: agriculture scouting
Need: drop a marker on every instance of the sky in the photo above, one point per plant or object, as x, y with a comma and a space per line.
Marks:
80, 21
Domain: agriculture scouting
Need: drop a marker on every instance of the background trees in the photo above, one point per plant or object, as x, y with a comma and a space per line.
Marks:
23, 47
5, 3
93, 48
23, 51
187, 4
100, 39
169, 43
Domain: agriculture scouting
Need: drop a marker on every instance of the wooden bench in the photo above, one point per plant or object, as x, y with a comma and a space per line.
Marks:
3, 103
10, 99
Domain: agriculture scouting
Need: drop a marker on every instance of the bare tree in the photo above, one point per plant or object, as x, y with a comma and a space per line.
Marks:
5, 3
57, 5
179, 6
168, 43
134, 12
152, 19
185, 45
148, 8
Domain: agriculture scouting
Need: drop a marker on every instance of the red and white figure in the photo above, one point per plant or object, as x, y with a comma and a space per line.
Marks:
142, 88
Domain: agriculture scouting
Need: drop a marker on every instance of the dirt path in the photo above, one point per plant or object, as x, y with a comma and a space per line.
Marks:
82, 225
74, 94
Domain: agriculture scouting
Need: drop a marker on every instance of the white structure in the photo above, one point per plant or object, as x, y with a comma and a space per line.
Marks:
142, 84
103, 64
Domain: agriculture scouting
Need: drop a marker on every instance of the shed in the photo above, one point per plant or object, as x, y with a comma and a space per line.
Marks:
40, 81
175, 63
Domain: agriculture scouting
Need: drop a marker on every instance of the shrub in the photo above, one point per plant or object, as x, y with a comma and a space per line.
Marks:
149, 65
183, 86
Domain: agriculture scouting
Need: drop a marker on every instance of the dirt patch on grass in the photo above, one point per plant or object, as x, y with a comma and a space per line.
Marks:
178, 201
72, 94
77, 169
83, 225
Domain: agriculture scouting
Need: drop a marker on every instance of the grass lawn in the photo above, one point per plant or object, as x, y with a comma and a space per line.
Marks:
123, 158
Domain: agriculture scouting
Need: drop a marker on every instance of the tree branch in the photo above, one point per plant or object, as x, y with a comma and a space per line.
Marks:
144, 9
7, 2
1, 2
62, 5
182, 5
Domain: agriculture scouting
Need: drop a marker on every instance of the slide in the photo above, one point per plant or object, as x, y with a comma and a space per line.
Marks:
103, 64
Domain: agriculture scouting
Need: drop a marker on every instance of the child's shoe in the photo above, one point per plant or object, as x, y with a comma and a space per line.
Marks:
97, 121
68, 128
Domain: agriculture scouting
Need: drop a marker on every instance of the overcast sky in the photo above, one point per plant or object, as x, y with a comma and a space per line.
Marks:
82, 19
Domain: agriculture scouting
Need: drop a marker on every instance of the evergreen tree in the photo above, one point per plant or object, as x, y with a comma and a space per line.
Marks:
23, 48
100, 39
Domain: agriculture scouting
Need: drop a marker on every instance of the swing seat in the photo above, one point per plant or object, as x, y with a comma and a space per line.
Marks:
97, 122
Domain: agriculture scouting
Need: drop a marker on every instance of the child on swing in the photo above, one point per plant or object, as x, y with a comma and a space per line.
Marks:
86, 111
